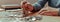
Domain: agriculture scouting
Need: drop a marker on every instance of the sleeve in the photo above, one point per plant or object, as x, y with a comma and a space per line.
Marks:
39, 5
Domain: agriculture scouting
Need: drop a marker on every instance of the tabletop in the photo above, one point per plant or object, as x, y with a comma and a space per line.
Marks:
44, 18
50, 19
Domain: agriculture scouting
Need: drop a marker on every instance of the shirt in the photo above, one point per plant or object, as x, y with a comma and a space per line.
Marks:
52, 3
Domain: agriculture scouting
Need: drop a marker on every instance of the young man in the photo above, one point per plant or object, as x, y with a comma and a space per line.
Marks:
54, 9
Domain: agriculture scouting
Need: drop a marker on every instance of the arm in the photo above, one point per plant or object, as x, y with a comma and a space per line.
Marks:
39, 5
59, 10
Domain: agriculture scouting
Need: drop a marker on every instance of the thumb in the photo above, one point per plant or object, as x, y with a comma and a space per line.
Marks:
23, 2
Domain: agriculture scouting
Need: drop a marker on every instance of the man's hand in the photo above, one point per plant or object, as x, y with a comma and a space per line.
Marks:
26, 5
49, 11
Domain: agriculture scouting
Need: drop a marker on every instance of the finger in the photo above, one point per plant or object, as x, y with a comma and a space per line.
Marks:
23, 2
30, 7
42, 10
53, 13
22, 5
48, 13
43, 13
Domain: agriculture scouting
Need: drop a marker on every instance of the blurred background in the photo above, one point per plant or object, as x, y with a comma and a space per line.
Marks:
14, 1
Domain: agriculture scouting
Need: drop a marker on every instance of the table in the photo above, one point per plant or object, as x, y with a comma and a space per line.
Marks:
50, 19
44, 18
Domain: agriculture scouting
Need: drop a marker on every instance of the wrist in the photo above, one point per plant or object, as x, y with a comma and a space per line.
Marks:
58, 11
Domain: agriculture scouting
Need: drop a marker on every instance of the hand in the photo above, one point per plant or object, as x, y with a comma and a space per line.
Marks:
49, 11
26, 5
